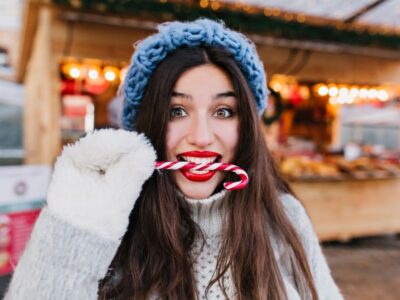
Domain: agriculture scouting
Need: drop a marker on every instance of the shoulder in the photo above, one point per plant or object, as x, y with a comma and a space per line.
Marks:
300, 220
323, 280
294, 210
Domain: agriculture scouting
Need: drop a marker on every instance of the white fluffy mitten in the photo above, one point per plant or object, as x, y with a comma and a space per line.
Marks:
97, 180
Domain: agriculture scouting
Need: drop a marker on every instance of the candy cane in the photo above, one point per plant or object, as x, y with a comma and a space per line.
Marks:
185, 165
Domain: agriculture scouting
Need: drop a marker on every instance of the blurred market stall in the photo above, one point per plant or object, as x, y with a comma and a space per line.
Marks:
333, 70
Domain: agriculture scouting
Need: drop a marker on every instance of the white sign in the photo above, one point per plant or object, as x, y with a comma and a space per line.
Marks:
21, 184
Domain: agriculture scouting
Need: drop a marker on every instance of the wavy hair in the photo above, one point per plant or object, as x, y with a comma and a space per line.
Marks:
154, 255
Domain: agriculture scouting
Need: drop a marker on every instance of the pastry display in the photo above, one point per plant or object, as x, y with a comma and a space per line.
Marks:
337, 168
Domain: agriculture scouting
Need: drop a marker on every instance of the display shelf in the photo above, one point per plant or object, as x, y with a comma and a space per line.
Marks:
341, 210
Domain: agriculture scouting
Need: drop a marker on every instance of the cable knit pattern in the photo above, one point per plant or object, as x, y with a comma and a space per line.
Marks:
209, 213
171, 36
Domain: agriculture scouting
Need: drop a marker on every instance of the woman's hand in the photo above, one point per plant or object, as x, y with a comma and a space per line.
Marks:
97, 180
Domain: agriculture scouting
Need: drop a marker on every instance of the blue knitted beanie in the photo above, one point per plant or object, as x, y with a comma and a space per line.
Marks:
174, 35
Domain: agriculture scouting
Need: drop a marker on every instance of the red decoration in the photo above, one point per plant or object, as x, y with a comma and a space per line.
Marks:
96, 86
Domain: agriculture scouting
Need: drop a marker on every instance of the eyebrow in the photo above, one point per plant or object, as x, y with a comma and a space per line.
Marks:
217, 96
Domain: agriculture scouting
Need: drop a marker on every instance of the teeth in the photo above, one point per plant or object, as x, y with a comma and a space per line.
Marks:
199, 160
199, 172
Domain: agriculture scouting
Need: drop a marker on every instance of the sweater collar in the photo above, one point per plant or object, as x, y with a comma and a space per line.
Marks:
209, 213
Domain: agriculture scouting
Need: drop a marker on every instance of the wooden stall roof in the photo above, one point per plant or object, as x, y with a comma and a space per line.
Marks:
318, 58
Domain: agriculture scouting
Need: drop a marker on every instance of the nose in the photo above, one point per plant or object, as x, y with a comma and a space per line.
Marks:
200, 132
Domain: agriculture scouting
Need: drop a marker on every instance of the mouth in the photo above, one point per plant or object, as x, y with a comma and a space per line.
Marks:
199, 157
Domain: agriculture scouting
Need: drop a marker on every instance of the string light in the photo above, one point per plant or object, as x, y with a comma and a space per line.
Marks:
363, 93
267, 12
353, 92
288, 17
333, 91
277, 86
323, 90
110, 76
111, 73
341, 94
74, 72
203, 3
215, 5
301, 18
332, 101
372, 93
276, 12
383, 95
93, 74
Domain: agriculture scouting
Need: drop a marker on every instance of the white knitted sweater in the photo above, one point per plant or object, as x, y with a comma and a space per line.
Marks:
65, 262
208, 213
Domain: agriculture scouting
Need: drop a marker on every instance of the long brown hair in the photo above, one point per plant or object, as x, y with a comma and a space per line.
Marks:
154, 255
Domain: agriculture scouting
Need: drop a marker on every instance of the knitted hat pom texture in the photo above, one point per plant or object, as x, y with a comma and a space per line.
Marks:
174, 35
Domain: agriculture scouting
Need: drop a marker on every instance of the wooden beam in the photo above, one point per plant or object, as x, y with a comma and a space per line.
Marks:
42, 134
27, 35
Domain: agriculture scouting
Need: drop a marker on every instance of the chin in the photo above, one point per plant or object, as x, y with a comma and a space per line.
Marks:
197, 190
196, 193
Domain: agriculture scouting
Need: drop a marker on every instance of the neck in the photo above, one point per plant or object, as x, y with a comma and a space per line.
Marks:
209, 213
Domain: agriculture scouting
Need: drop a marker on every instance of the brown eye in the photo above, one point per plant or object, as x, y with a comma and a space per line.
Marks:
223, 113
177, 112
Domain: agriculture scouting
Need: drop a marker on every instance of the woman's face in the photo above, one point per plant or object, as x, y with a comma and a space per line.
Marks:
203, 127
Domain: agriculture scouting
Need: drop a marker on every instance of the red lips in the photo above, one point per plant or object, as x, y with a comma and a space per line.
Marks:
199, 177
199, 153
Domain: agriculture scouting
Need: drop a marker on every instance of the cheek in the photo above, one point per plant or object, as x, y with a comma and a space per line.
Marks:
229, 135
175, 134
231, 141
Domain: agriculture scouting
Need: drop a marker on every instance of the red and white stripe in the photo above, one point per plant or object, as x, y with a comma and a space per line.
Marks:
186, 165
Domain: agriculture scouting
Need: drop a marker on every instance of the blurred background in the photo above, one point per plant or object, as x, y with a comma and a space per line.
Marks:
333, 119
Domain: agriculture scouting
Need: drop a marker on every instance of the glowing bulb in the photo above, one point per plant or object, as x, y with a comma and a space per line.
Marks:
215, 5
383, 95
74, 72
333, 91
267, 12
349, 100
343, 92
363, 93
332, 101
301, 18
353, 92
372, 93
93, 74
203, 3
323, 90
277, 87
276, 12
110, 76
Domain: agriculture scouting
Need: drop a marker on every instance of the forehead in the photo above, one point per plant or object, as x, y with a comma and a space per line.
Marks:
203, 79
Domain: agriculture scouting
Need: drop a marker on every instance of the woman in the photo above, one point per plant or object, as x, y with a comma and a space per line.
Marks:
194, 90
